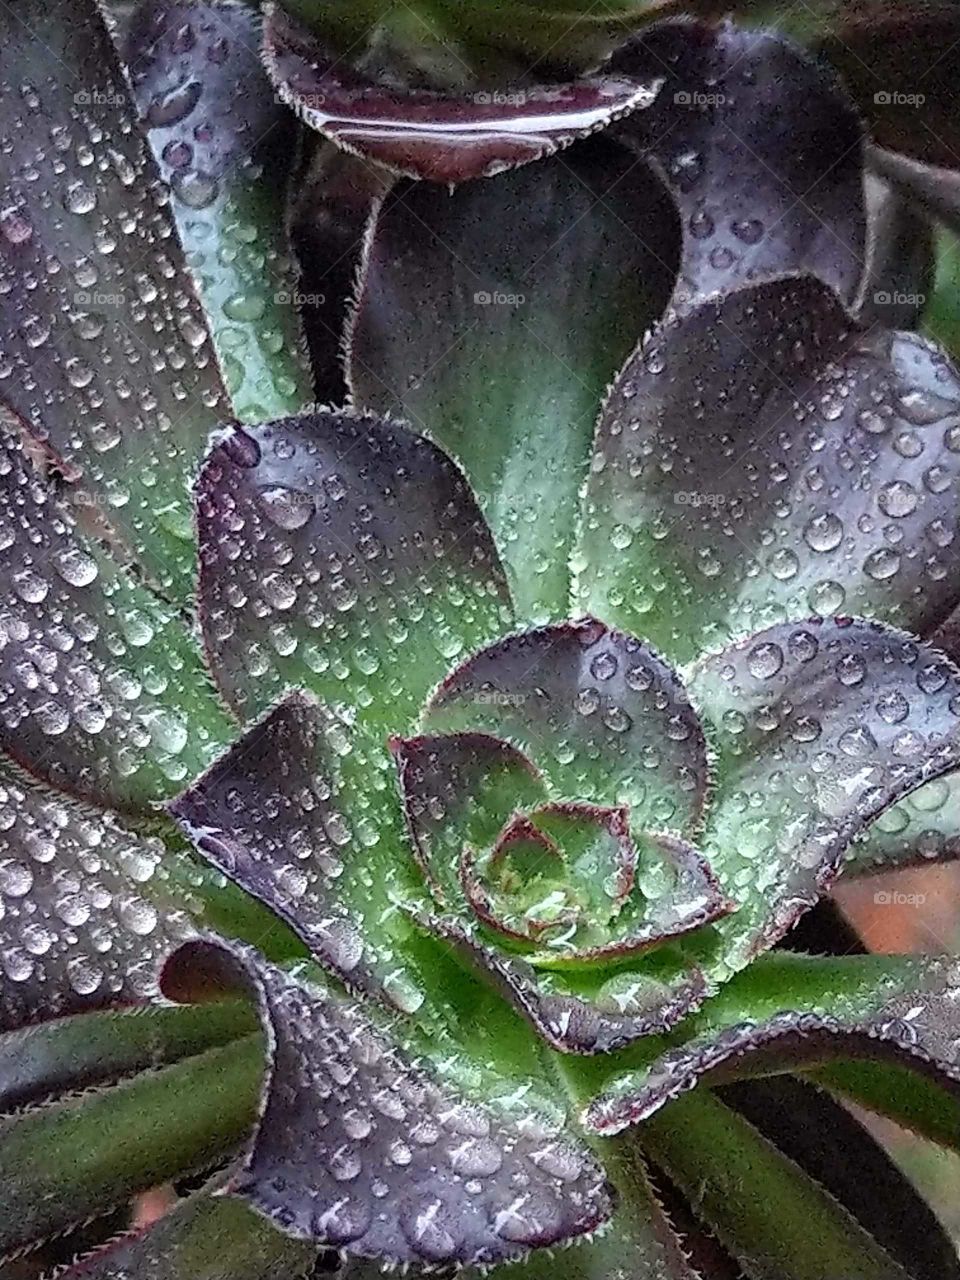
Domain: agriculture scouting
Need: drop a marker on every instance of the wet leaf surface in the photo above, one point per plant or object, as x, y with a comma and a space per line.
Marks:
792, 1010
87, 908
266, 815
222, 142
494, 319
587, 704
358, 1148
103, 692
761, 149
103, 348
819, 728
761, 458
328, 542
426, 134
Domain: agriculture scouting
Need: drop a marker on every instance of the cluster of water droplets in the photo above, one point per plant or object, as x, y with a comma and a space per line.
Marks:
409, 1171
100, 688
85, 912
220, 138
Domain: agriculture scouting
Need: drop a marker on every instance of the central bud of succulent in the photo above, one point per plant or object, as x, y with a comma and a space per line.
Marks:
537, 808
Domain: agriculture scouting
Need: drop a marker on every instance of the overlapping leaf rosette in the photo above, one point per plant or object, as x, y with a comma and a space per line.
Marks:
441, 826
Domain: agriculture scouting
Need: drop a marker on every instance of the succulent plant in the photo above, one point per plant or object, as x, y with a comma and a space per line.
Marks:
413, 811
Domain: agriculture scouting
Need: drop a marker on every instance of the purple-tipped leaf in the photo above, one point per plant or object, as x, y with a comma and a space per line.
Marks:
342, 553
496, 317
761, 149
613, 1012
103, 348
796, 1011
426, 134
762, 457
599, 711
103, 692
360, 1149
86, 908
819, 727
459, 790
266, 815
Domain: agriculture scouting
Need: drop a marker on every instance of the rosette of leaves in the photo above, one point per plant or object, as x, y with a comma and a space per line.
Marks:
403, 804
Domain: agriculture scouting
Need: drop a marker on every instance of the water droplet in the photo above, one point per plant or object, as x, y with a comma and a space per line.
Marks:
764, 660
824, 532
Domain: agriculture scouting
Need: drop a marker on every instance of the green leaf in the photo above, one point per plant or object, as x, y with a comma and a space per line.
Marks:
921, 829
104, 693
789, 1009
79, 1052
762, 457
880, 707
207, 1237
223, 143
913, 1101
104, 353
494, 319
792, 1230
941, 319
74, 1159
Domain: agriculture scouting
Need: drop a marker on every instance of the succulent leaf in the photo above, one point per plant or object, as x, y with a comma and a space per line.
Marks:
598, 711
328, 541
104, 694
819, 728
499, 334
426, 134
103, 347
78, 1157
460, 789
68, 1054
582, 1014
794, 1230
207, 1237
222, 143
761, 149
87, 908
921, 829
266, 815
794, 1010
900, 259
835, 1148
749, 460
358, 1148
934, 188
